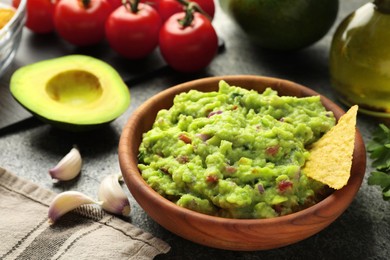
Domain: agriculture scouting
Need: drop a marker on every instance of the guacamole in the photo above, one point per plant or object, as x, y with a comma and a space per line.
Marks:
235, 153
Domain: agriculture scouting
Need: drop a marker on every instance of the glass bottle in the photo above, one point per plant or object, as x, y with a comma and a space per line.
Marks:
360, 59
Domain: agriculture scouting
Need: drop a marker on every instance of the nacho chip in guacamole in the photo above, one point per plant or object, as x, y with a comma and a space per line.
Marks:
330, 158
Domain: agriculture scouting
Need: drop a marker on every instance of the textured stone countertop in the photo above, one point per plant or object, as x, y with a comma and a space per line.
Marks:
361, 232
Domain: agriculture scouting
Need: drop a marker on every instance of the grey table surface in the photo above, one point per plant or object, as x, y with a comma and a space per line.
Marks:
30, 148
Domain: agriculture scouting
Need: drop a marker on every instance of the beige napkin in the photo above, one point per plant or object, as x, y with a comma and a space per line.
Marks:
88, 233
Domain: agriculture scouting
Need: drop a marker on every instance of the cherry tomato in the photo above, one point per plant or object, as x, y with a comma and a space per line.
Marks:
39, 15
152, 3
188, 48
115, 3
208, 6
133, 34
81, 22
167, 8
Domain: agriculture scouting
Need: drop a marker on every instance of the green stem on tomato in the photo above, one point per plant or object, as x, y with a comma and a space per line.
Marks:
131, 5
195, 6
189, 16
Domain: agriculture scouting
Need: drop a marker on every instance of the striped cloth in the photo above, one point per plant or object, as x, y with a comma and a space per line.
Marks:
87, 233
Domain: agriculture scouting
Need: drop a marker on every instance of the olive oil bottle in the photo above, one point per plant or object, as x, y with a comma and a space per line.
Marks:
360, 59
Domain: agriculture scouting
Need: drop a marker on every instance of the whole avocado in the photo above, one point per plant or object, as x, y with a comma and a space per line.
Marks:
283, 24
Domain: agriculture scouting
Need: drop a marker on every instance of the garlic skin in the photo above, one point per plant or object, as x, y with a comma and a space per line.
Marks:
67, 201
112, 196
69, 166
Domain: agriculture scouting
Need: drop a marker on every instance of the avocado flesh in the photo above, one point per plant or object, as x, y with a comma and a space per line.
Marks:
71, 92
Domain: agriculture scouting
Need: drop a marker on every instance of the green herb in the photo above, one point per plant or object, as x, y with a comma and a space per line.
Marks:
379, 149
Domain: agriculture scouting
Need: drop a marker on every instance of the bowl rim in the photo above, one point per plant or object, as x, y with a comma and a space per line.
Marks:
134, 180
21, 8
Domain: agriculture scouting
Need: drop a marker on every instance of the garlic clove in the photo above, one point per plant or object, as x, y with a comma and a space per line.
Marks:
69, 166
67, 201
112, 195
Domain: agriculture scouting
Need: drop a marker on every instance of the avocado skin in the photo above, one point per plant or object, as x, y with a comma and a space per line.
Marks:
283, 24
68, 127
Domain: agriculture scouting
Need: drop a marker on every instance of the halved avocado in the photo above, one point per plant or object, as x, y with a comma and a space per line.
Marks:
74, 92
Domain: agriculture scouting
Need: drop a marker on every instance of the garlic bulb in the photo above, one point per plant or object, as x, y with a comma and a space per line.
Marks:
69, 166
67, 201
112, 196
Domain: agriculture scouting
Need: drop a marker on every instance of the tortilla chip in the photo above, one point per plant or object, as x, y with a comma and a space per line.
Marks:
330, 158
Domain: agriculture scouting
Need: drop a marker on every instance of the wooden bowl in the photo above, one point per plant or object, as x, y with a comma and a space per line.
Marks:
223, 233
